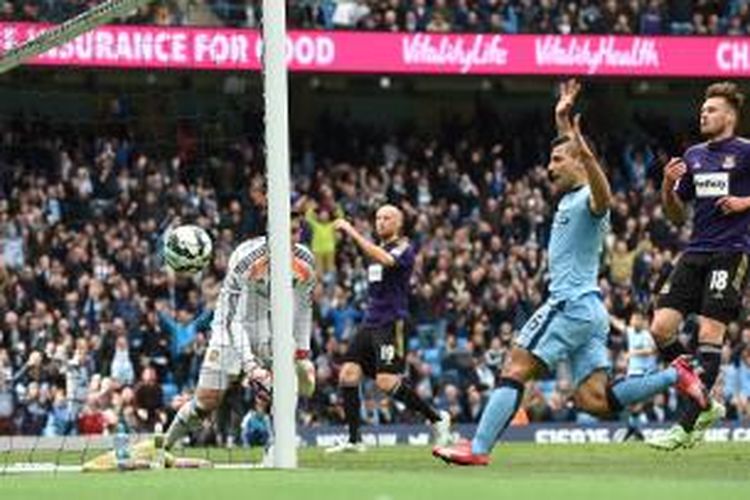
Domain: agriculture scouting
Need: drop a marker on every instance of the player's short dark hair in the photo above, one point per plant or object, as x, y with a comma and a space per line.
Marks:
730, 92
559, 141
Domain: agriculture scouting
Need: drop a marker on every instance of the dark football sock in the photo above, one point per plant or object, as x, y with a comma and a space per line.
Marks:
672, 350
406, 395
350, 396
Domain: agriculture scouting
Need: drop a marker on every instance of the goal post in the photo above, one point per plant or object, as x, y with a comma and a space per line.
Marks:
276, 114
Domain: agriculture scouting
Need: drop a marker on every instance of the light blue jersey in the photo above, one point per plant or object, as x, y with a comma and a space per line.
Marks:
639, 364
575, 246
573, 324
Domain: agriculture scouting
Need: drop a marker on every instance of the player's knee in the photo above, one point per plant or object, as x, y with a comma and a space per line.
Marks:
711, 331
592, 401
521, 372
350, 374
593, 396
208, 399
522, 366
665, 324
387, 382
660, 329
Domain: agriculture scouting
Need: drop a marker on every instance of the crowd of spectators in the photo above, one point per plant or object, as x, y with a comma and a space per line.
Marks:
159, 12
625, 17
94, 329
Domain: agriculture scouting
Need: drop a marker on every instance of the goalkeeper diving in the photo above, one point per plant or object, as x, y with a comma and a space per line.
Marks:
240, 343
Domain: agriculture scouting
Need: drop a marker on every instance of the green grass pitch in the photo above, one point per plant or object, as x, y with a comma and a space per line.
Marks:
518, 471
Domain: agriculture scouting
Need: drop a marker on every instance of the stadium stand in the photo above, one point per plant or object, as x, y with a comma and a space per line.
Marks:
92, 327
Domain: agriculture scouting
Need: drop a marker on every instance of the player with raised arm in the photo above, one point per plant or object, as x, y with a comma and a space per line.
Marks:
241, 332
710, 276
573, 324
377, 349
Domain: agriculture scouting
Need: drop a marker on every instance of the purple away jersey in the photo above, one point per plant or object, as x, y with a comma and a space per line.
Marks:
715, 170
388, 292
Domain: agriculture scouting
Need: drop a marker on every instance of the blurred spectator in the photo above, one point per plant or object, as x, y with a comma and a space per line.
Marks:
34, 405
7, 404
60, 420
647, 17
683, 19
742, 397
323, 240
652, 18
341, 313
183, 330
122, 368
148, 400
622, 261
256, 425
91, 420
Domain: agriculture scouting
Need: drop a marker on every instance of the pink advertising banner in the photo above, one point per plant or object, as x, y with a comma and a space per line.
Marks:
153, 47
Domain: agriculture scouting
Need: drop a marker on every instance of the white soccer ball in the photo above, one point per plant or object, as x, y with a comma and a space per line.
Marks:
187, 249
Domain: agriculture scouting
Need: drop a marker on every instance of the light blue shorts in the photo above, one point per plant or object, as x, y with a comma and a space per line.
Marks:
573, 330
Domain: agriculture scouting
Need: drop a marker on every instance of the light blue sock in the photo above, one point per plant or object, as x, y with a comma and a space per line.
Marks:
501, 407
637, 389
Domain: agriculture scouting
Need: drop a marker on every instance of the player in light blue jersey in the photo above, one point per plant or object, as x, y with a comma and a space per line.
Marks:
573, 324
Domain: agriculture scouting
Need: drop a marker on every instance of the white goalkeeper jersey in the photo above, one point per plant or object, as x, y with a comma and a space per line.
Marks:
242, 320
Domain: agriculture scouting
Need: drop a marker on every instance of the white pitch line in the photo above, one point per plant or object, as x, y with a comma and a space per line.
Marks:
49, 467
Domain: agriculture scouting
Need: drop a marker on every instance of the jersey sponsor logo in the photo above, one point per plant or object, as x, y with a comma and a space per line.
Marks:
213, 358
562, 218
730, 161
711, 185
375, 273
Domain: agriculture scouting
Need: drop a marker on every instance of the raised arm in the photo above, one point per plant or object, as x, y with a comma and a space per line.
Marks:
601, 194
203, 321
166, 320
674, 208
373, 251
568, 93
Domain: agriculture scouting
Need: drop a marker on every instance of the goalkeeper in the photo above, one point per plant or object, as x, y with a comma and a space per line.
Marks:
241, 332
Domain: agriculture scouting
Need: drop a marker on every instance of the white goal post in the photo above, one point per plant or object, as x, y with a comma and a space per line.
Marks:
279, 231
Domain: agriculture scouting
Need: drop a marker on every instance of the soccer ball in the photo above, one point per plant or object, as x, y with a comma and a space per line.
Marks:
187, 249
